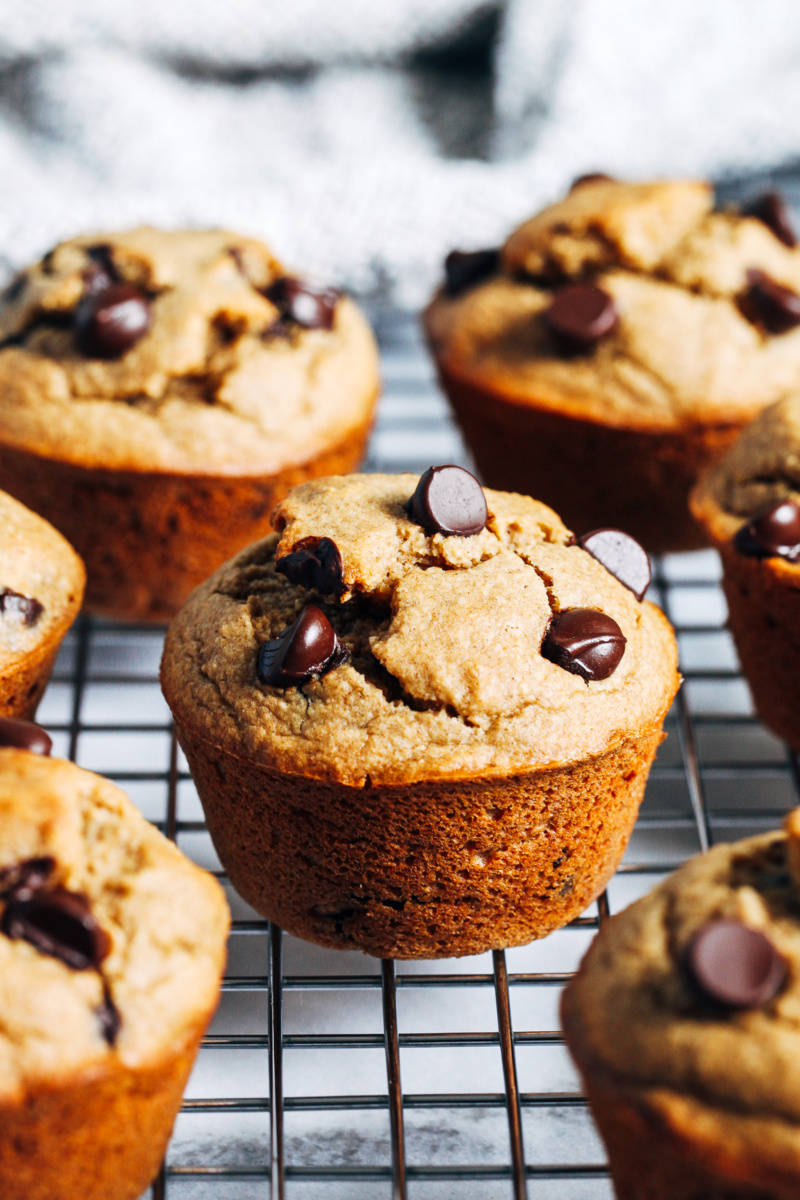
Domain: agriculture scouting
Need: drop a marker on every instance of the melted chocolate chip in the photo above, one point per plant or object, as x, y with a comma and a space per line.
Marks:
579, 315
309, 306
775, 306
108, 1017
58, 923
775, 532
448, 500
464, 268
771, 209
22, 880
108, 322
24, 735
101, 273
735, 966
584, 642
14, 604
308, 648
314, 563
622, 556
591, 177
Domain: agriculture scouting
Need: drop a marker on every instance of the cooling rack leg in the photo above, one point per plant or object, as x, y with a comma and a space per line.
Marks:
277, 1189
509, 1074
392, 1047
602, 907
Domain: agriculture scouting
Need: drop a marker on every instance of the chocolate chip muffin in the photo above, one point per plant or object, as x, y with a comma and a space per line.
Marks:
683, 1022
616, 345
421, 719
41, 587
112, 946
750, 506
159, 392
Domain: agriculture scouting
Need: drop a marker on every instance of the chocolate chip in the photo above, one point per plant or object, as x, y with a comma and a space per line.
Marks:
108, 1017
58, 923
591, 177
773, 532
108, 322
24, 735
309, 647
622, 556
768, 301
311, 307
448, 500
771, 209
584, 642
314, 563
464, 268
733, 965
14, 604
579, 315
23, 879
101, 273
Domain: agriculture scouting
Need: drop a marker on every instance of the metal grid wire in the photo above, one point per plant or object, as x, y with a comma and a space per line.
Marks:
332, 1074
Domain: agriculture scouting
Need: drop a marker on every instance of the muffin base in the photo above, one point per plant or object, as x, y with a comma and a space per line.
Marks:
432, 869
593, 475
149, 538
22, 686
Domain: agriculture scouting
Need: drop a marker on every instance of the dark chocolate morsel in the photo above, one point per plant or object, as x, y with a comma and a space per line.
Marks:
109, 322
768, 301
101, 272
622, 556
309, 647
24, 735
735, 966
580, 314
448, 500
771, 209
108, 1017
16, 605
463, 268
309, 306
23, 879
774, 532
591, 177
585, 642
58, 923
314, 563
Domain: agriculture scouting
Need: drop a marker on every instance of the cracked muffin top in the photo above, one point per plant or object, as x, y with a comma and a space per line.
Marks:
362, 643
112, 944
630, 304
179, 351
41, 582
693, 992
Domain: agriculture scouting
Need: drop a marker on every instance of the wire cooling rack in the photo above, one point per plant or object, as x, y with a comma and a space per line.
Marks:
330, 1074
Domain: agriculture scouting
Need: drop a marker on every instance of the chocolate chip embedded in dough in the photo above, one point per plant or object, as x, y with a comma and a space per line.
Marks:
314, 562
308, 306
448, 500
24, 735
23, 879
772, 210
622, 556
765, 300
591, 177
108, 1017
735, 966
58, 923
14, 604
107, 323
580, 315
464, 268
775, 532
308, 648
584, 642
100, 273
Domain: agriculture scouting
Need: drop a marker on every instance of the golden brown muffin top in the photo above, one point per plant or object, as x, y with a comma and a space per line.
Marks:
162, 921
222, 379
41, 582
445, 676
682, 349
636, 1010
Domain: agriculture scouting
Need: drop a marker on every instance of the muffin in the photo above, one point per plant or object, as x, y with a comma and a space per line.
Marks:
160, 392
112, 946
683, 1020
41, 587
421, 720
615, 346
749, 505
